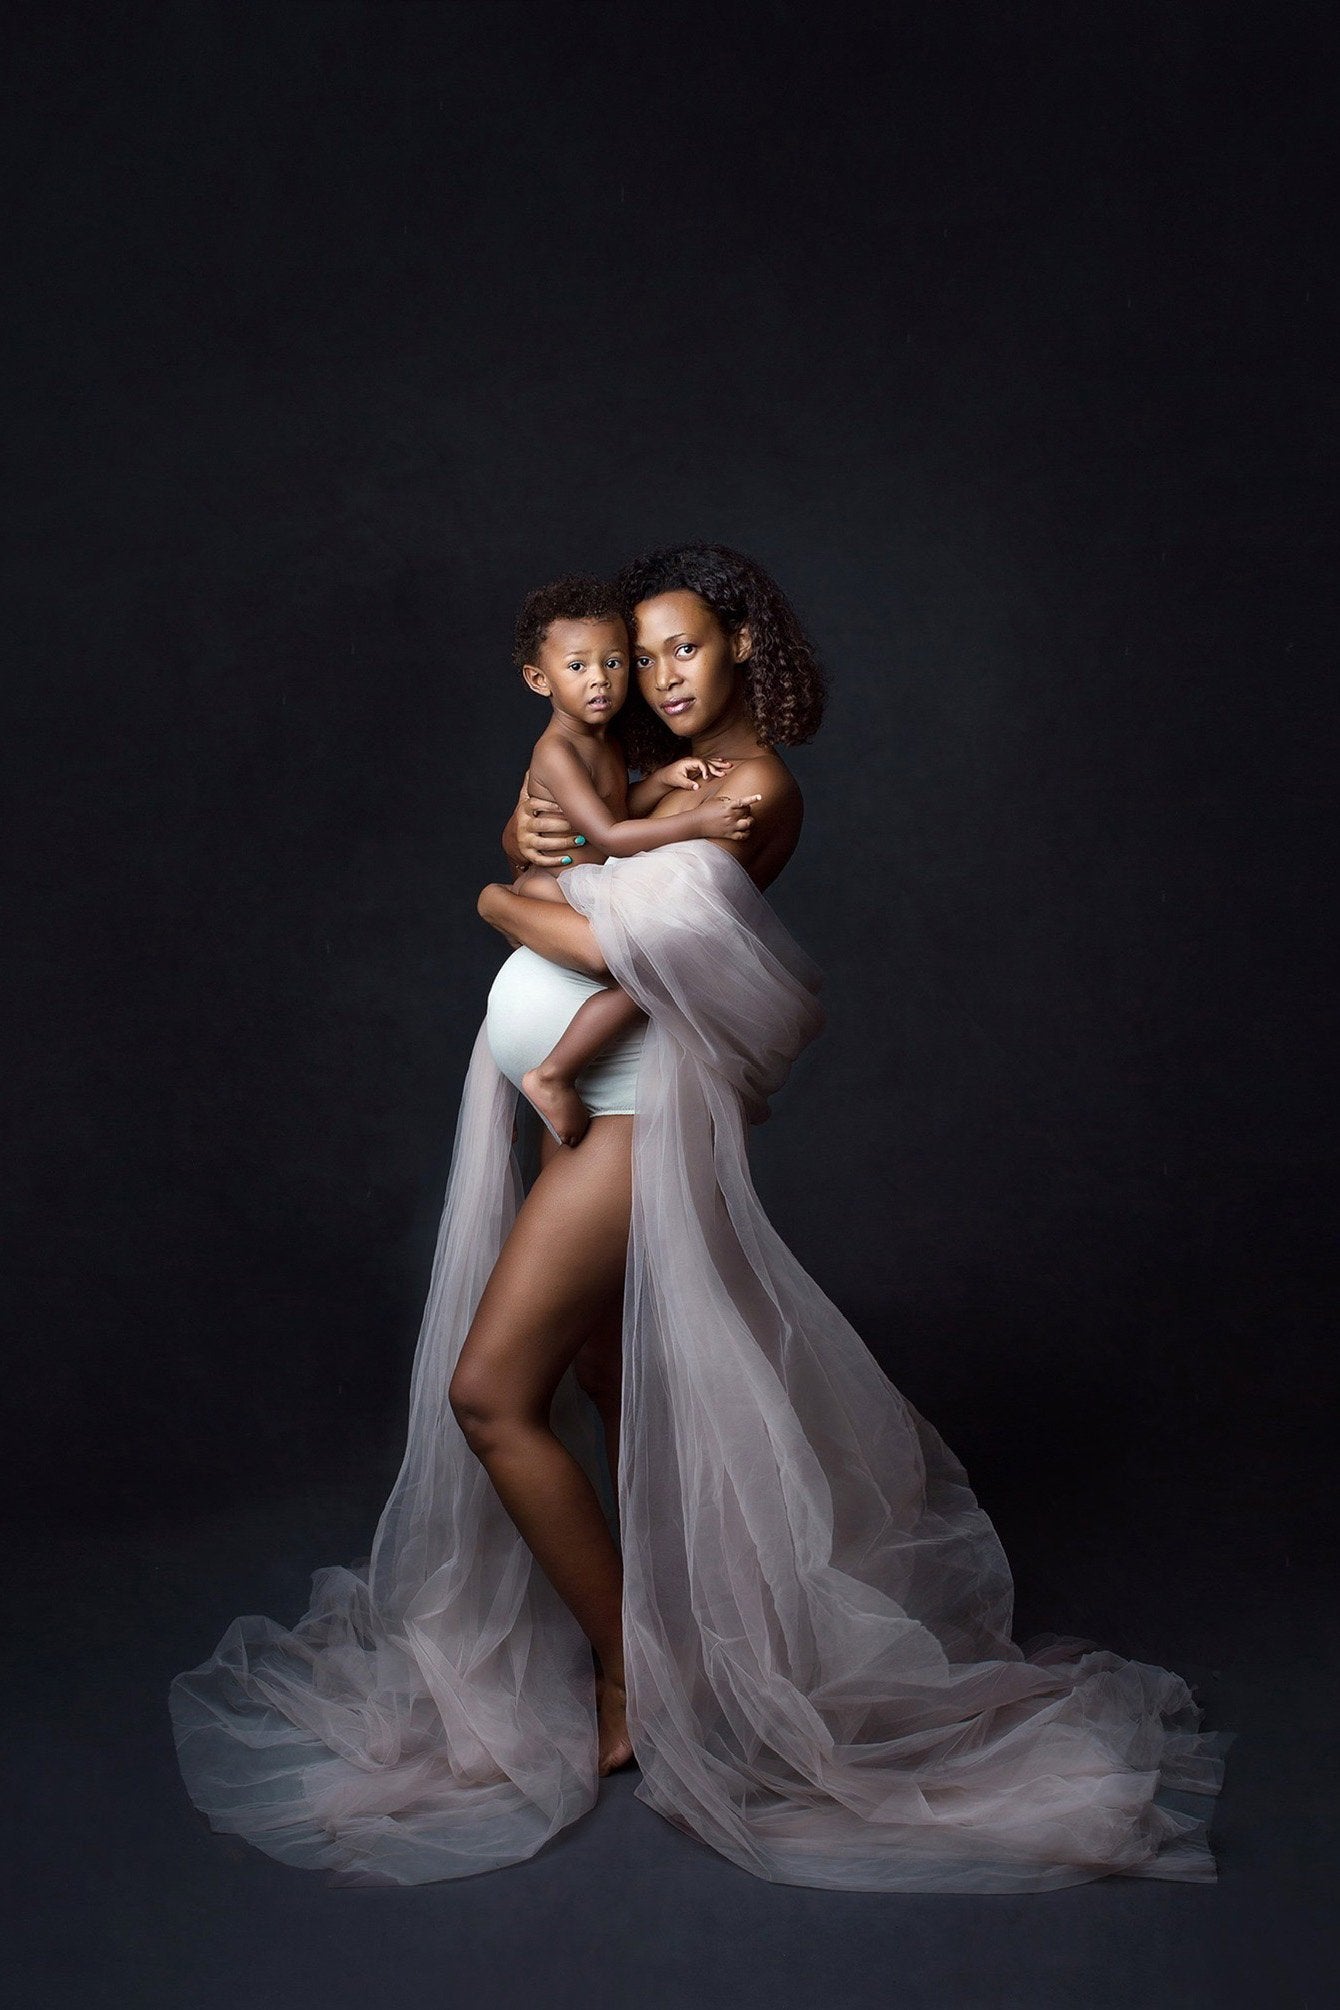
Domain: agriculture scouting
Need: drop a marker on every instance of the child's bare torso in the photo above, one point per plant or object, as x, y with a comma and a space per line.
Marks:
604, 762
540, 882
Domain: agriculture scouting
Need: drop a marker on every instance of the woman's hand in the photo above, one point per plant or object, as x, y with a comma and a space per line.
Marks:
690, 771
543, 836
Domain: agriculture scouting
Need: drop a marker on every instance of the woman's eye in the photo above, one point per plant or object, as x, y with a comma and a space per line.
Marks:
685, 649
642, 661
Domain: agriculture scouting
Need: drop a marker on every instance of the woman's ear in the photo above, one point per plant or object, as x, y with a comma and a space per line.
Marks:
742, 643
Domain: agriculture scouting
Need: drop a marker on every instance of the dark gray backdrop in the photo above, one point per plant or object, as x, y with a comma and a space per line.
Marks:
345, 325
997, 335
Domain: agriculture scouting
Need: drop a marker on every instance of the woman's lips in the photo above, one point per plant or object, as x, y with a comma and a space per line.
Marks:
673, 706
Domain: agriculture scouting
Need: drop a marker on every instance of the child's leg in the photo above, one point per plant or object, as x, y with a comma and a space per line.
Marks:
538, 883
550, 1086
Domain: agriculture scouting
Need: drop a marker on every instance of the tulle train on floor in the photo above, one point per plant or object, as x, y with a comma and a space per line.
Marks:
822, 1680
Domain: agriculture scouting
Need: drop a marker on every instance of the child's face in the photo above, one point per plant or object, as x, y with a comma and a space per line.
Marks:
583, 669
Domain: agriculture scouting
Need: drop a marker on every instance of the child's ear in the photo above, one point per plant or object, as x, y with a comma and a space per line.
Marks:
742, 643
536, 679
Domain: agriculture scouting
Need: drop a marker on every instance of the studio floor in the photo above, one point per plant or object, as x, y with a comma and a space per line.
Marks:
125, 1899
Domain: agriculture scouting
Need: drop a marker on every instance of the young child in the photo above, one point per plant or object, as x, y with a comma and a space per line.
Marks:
572, 648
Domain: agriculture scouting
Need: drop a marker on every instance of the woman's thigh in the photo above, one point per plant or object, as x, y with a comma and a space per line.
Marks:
556, 1278
598, 1362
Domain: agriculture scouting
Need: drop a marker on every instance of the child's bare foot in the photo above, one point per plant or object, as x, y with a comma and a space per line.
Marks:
616, 1747
556, 1099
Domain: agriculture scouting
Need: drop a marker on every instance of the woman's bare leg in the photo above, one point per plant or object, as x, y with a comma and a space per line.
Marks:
598, 1362
598, 1368
554, 1281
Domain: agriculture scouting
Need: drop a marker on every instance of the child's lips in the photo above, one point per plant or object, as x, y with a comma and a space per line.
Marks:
598, 704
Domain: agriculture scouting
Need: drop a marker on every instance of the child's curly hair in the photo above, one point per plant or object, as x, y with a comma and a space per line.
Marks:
783, 680
580, 598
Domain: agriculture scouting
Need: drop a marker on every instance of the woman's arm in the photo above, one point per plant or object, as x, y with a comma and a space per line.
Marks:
550, 927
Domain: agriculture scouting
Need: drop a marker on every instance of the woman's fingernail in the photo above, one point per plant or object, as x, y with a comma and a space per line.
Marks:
566, 858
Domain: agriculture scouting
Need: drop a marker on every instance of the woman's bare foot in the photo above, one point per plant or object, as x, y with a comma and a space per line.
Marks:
557, 1100
616, 1747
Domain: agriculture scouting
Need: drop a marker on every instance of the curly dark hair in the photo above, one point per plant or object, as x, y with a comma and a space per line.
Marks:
578, 599
783, 679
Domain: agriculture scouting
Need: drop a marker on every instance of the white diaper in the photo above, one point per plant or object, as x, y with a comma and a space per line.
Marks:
530, 1007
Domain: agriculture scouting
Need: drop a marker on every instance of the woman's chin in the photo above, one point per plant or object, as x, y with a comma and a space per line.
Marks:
681, 724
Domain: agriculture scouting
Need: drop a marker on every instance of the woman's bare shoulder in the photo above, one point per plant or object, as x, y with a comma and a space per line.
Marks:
767, 775
778, 814
762, 772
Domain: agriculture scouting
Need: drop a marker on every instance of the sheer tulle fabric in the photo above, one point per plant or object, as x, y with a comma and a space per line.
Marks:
822, 1680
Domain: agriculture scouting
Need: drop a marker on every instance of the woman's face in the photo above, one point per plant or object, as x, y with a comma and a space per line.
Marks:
687, 666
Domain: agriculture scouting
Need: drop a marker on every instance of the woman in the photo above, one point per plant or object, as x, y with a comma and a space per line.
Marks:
813, 1621
699, 677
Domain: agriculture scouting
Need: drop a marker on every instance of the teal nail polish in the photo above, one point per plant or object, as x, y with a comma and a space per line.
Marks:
566, 858
579, 840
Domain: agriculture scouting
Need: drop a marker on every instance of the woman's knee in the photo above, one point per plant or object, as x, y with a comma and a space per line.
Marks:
478, 1407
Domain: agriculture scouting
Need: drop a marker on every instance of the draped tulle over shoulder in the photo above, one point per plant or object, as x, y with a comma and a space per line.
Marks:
822, 1680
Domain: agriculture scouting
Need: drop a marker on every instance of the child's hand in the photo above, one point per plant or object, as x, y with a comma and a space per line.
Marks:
691, 771
725, 817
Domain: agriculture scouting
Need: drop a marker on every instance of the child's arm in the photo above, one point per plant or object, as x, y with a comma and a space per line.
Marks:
686, 773
574, 792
